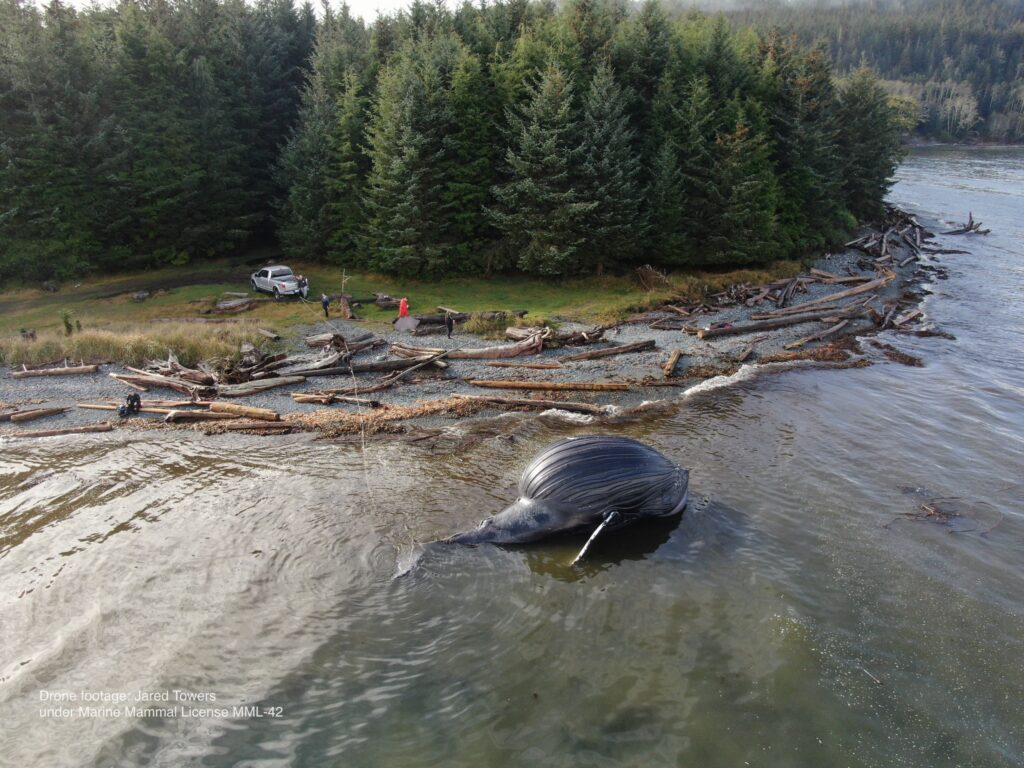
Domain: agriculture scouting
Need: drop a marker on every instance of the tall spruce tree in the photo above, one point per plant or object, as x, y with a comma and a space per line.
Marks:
747, 220
609, 177
473, 144
408, 223
344, 175
540, 211
701, 171
870, 142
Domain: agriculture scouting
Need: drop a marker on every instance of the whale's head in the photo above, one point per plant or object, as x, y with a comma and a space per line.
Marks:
521, 521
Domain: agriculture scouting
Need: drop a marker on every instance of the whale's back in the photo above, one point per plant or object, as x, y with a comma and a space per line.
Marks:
599, 472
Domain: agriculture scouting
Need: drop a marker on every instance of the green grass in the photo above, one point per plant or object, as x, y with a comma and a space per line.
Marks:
116, 327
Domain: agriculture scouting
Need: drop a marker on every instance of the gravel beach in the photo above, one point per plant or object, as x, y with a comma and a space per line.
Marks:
700, 360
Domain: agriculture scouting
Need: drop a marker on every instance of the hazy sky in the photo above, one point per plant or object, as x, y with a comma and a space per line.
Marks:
366, 8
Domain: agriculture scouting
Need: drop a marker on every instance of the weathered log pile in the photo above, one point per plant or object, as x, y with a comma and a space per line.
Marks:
899, 228
530, 346
553, 339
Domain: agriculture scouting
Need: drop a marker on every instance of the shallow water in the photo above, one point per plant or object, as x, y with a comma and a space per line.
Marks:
800, 613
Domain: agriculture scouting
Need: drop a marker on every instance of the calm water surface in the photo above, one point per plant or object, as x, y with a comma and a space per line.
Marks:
798, 615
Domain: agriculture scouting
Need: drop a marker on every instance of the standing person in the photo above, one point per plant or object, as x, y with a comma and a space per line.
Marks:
403, 307
325, 303
303, 286
449, 323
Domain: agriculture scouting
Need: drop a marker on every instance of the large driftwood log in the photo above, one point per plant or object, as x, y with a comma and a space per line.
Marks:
35, 413
308, 366
246, 411
817, 336
574, 386
63, 371
763, 325
833, 297
157, 380
526, 402
971, 226
530, 346
104, 427
393, 379
106, 407
638, 346
328, 398
255, 387
174, 416
382, 366
539, 366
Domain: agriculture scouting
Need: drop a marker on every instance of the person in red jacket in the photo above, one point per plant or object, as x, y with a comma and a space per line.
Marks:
403, 307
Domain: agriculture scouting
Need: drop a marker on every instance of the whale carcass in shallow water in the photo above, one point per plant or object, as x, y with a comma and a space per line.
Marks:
595, 481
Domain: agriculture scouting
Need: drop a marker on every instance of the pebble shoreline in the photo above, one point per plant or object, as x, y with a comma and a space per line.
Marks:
706, 358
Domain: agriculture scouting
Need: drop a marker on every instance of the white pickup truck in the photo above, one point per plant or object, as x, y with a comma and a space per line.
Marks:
280, 281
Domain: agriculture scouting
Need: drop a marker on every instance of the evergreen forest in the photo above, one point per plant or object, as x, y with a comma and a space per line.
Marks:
488, 138
958, 63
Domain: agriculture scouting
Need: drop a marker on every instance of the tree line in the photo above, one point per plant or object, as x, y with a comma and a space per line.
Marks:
511, 136
959, 62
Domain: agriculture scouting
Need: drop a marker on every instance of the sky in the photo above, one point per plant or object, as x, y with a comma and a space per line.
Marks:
368, 9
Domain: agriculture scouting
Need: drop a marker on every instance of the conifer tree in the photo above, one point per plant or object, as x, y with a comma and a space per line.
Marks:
345, 173
700, 168
473, 157
870, 142
609, 176
408, 224
539, 210
666, 201
747, 220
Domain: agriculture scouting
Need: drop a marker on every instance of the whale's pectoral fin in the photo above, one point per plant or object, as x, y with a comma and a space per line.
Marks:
611, 518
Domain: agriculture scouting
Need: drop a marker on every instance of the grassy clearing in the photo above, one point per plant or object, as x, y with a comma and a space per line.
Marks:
131, 344
114, 327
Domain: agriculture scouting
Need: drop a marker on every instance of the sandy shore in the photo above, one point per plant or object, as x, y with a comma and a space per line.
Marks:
701, 360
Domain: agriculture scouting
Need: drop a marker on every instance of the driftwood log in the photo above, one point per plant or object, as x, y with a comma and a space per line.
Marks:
673, 360
255, 387
554, 339
174, 416
394, 378
246, 411
539, 366
526, 402
63, 371
106, 407
33, 414
568, 386
103, 427
530, 346
817, 336
764, 325
638, 346
327, 398
833, 297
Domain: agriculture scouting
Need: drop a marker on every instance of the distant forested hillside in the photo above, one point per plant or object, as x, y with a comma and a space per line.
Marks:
961, 61
490, 138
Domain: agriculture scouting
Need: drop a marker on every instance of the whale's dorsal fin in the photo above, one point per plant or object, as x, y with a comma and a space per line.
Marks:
610, 518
